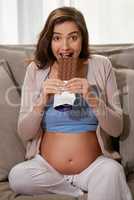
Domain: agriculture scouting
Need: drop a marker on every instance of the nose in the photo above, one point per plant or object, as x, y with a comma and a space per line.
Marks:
65, 44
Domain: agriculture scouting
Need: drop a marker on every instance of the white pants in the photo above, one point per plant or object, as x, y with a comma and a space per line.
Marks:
104, 179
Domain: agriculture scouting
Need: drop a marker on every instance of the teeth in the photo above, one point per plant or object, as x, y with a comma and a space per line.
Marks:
66, 55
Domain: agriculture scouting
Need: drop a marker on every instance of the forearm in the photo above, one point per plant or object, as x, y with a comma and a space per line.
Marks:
29, 123
107, 107
109, 120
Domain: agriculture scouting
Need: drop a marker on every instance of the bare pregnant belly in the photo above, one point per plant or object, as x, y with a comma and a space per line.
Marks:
70, 153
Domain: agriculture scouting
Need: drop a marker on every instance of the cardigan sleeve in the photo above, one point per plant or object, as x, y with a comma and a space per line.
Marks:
29, 120
109, 113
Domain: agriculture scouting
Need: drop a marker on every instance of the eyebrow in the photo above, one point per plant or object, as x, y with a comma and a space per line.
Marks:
74, 32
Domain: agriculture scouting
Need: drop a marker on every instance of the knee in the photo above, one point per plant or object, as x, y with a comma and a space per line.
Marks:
17, 180
13, 178
113, 170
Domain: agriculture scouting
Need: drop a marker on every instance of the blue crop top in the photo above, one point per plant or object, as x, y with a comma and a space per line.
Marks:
80, 118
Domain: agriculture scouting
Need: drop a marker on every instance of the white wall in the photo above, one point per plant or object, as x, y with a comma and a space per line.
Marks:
30, 17
108, 21
8, 21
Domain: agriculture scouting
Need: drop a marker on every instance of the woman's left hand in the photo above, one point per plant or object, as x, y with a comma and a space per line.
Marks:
81, 86
78, 85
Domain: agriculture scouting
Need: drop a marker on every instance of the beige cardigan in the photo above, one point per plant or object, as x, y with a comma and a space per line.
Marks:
109, 113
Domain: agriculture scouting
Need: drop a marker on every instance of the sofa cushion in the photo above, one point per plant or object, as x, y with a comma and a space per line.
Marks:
123, 58
125, 81
17, 60
12, 150
121, 55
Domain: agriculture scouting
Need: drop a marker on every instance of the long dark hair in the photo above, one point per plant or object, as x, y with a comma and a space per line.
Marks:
43, 53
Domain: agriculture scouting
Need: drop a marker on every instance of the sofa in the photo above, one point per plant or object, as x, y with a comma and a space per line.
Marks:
13, 62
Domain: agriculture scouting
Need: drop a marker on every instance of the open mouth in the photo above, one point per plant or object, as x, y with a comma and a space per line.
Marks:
66, 55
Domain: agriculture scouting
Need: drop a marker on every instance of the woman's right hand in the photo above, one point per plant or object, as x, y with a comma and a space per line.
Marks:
52, 87
49, 87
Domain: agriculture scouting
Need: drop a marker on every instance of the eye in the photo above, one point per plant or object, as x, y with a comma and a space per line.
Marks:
56, 38
74, 37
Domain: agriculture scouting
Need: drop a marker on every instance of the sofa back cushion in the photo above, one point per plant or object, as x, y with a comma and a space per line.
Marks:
124, 58
125, 81
121, 56
17, 59
12, 150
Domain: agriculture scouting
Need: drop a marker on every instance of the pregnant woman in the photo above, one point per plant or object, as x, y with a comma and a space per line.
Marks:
68, 148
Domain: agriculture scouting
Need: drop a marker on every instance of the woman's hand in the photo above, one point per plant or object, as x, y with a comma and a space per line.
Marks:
52, 86
81, 86
49, 87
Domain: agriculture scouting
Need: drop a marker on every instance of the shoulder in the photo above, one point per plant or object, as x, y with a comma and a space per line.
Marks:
99, 63
33, 71
99, 68
99, 60
32, 67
